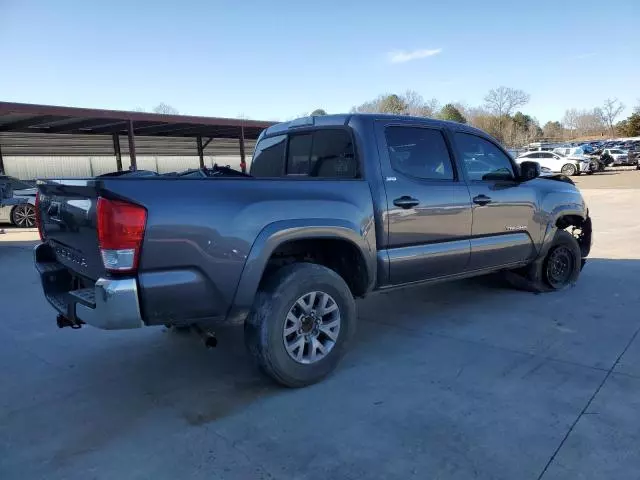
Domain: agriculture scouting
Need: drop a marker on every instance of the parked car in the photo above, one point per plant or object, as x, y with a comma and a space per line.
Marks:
556, 162
620, 157
336, 207
19, 207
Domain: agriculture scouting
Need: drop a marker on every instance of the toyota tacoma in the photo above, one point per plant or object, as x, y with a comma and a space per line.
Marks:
335, 208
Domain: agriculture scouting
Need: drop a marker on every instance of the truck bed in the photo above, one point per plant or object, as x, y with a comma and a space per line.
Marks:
198, 236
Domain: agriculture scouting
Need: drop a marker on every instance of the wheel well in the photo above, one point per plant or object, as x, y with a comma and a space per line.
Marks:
341, 256
580, 228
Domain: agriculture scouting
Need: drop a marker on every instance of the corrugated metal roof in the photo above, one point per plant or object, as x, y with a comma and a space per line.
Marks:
28, 118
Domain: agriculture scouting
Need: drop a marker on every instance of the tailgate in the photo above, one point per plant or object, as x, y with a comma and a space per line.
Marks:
67, 211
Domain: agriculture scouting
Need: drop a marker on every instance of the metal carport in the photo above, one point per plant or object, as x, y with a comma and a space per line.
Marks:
46, 120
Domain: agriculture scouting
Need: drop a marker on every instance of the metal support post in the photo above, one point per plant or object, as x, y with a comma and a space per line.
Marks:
200, 151
243, 163
116, 150
132, 147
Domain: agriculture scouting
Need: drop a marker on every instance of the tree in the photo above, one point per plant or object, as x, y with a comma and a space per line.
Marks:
449, 112
570, 120
417, 107
318, 112
611, 109
630, 127
410, 103
553, 130
165, 109
502, 101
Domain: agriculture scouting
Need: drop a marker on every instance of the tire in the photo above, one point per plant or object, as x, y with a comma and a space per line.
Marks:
279, 305
538, 276
24, 216
569, 170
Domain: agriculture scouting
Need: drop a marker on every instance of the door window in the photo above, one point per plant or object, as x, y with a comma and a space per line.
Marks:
483, 160
419, 152
327, 153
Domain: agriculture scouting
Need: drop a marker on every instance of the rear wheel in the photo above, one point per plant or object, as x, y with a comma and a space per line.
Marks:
300, 324
569, 169
24, 216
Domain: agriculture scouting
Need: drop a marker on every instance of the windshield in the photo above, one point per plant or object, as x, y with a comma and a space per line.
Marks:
617, 152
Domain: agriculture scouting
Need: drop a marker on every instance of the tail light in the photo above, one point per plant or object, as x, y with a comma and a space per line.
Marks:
38, 218
120, 231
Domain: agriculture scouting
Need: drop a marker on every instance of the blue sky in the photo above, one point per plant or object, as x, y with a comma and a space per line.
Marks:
232, 58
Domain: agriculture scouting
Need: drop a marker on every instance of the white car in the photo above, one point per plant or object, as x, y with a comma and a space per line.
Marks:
556, 162
620, 157
23, 214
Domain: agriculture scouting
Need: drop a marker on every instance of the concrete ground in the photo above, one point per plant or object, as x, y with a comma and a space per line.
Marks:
462, 380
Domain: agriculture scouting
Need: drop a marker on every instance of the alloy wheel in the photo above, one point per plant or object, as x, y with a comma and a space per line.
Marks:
312, 327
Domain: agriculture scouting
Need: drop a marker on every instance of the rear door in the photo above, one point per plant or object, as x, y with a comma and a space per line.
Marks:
503, 208
428, 207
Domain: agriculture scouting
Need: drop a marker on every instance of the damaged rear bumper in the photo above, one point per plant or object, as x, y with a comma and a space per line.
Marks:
109, 304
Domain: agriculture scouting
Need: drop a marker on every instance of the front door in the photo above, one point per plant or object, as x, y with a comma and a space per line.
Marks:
504, 209
428, 206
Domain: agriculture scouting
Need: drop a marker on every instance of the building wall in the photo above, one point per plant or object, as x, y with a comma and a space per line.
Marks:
76, 166
29, 156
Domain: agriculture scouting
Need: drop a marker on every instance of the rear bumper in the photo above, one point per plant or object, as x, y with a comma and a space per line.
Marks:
110, 304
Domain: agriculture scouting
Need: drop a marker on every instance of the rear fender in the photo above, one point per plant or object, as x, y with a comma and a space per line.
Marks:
277, 233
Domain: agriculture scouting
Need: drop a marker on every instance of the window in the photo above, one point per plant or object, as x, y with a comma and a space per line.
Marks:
419, 152
299, 155
327, 153
268, 157
482, 159
546, 155
533, 155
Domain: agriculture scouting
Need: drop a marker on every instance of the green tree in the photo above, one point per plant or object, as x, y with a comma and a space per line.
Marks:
393, 104
630, 127
522, 121
318, 112
449, 112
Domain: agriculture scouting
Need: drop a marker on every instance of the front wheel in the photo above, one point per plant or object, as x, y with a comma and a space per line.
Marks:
569, 169
300, 324
559, 269
24, 216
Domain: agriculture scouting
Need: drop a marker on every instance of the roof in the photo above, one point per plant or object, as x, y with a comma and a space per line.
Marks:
344, 119
29, 118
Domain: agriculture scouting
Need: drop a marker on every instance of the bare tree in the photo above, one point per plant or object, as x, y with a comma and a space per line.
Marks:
570, 121
417, 106
611, 109
165, 109
502, 101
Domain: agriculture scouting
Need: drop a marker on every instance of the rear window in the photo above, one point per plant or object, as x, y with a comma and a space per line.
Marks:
327, 153
268, 157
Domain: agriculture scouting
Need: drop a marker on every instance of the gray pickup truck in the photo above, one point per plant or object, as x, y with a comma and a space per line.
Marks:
335, 207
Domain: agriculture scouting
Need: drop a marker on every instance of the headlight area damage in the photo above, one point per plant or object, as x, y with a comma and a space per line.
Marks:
581, 229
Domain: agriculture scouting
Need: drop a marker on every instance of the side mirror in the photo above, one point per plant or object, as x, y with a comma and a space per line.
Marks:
529, 170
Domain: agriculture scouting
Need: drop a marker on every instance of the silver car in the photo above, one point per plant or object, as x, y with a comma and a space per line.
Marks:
19, 209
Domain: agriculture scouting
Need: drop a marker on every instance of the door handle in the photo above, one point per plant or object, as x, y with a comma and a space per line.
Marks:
481, 200
406, 202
